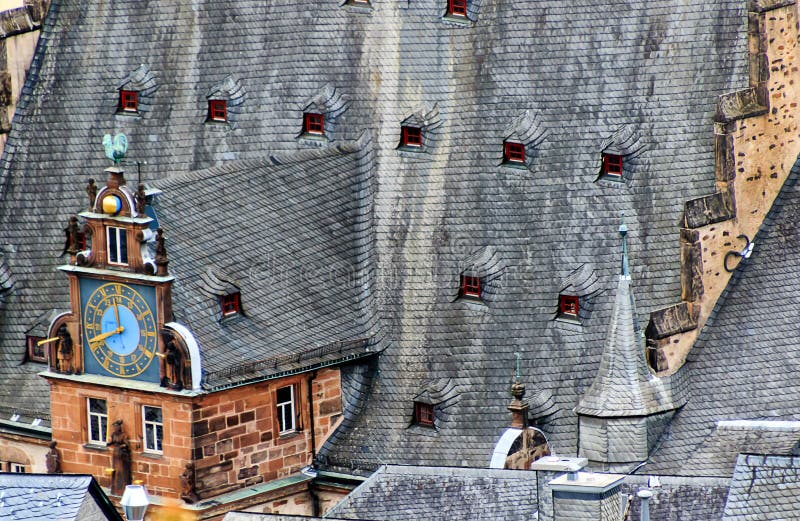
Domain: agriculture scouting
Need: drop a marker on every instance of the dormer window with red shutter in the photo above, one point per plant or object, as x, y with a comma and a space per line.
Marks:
217, 110
313, 124
231, 304
457, 8
410, 137
513, 153
423, 414
128, 101
612, 165
568, 306
470, 286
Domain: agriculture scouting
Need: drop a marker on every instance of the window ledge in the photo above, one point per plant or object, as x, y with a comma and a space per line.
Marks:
359, 8
230, 319
461, 21
129, 115
289, 435
152, 455
95, 446
612, 181
516, 165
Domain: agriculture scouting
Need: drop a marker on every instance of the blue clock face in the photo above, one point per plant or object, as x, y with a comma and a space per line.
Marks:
120, 331
120, 316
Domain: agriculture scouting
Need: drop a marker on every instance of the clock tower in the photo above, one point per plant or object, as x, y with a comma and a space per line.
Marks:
119, 287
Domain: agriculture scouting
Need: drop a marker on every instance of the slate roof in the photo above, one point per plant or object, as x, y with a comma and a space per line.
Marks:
679, 498
743, 370
294, 235
400, 493
655, 71
764, 488
43, 497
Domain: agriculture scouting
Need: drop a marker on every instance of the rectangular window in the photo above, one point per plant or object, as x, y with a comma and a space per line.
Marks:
217, 110
153, 429
313, 123
612, 165
18, 468
36, 352
128, 101
231, 304
470, 286
423, 414
411, 137
98, 420
568, 306
117, 245
286, 409
513, 152
457, 7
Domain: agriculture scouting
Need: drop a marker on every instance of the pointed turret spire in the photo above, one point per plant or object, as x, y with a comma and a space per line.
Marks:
624, 385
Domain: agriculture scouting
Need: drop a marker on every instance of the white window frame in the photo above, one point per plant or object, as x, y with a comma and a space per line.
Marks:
18, 468
101, 419
121, 235
281, 411
151, 426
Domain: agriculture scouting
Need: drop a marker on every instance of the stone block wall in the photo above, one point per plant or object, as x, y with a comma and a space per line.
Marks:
757, 141
160, 473
570, 506
236, 440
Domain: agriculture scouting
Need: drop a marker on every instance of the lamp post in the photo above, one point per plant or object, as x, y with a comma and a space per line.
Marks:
134, 502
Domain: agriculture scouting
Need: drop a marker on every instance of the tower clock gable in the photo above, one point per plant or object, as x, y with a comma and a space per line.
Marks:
120, 291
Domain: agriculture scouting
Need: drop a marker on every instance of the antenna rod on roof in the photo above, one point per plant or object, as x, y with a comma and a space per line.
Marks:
623, 231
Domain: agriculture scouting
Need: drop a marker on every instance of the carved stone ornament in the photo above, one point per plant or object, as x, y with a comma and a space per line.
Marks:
53, 460
121, 460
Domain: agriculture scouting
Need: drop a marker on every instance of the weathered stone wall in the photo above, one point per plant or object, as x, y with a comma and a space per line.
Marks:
24, 451
236, 433
757, 139
587, 507
160, 472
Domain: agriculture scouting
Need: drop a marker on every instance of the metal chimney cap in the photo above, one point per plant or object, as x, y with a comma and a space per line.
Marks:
644, 494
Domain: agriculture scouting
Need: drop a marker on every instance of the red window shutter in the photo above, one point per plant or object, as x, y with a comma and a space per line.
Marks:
411, 137
514, 152
568, 305
470, 286
313, 123
457, 7
423, 413
230, 304
128, 100
612, 164
217, 110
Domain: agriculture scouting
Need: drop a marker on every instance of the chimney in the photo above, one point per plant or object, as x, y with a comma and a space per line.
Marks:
547, 469
645, 496
587, 496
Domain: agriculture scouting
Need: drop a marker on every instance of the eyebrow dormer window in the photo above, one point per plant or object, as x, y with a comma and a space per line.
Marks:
313, 124
117, 246
217, 110
470, 286
231, 304
457, 8
612, 165
411, 137
568, 306
128, 101
423, 414
513, 152
37, 349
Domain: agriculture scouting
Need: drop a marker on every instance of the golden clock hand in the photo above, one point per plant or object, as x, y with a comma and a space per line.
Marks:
116, 311
103, 336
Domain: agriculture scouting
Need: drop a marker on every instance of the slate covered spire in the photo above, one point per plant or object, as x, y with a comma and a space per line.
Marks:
624, 385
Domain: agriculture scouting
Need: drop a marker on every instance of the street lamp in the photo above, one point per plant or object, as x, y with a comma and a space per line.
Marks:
134, 502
